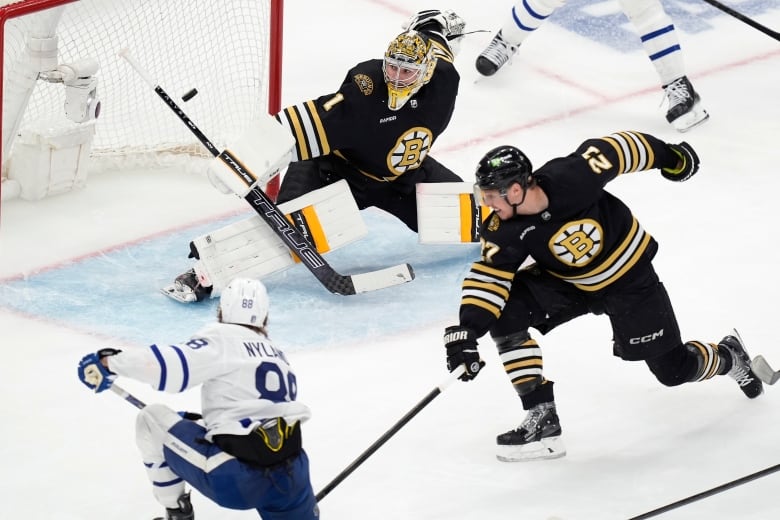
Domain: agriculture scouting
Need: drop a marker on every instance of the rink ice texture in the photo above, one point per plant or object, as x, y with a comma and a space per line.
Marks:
81, 271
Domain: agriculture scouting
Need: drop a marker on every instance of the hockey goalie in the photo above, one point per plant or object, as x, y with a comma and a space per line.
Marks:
362, 146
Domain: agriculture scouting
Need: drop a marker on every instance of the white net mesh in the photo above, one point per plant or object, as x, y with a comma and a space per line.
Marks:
219, 48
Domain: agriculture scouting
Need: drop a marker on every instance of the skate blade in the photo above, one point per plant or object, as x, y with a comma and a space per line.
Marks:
695, 117
172, 291
547, 448
764, 371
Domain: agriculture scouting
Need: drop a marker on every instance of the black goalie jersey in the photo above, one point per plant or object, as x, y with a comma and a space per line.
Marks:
356, 124
586, 236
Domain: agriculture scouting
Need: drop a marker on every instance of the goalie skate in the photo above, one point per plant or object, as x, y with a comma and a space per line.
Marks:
186, 288
180, 294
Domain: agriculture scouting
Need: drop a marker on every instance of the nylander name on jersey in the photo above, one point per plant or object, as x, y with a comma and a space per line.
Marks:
263, 349
586, 236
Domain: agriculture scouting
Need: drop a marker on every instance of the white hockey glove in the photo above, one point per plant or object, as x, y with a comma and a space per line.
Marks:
446, 23
92, 372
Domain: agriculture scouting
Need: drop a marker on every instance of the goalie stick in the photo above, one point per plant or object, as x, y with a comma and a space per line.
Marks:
764, 371
271, 215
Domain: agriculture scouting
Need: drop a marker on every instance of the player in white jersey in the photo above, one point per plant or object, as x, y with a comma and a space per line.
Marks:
246, 451
656, 32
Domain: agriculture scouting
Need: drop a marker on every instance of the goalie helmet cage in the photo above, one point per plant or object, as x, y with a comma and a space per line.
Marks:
230, 53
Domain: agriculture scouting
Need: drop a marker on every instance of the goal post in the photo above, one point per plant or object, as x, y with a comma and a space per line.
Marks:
71, 104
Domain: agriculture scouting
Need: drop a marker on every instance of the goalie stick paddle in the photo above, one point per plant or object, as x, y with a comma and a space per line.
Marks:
392, 431
289, 234
764, 371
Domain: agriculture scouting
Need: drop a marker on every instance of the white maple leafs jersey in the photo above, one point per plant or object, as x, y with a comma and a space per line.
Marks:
245, 379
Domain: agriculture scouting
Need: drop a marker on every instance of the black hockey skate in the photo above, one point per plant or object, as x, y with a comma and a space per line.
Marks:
495, 55
684, 111
183, 512
538, 437
186, 288
740, 370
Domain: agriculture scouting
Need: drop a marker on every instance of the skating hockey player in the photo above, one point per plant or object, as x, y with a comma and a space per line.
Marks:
656, 31
591, 256
374, 134
245, 452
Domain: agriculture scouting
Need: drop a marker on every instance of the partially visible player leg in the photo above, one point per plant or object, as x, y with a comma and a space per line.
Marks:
152, 425
525, 18
538, 436
300, 178
660, 41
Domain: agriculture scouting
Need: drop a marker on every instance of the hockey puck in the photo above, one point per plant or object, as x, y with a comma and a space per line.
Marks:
189, 95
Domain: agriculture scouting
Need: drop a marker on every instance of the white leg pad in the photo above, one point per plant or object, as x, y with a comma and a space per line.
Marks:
328, 217
447, 213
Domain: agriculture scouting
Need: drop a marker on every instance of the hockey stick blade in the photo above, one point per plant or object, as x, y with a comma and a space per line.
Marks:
764, 371
272, 215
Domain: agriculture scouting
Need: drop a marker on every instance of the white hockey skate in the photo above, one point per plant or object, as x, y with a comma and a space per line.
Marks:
684, 107
495, 55
537, 438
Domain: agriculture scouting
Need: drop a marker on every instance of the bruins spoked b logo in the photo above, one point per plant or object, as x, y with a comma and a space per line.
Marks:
578, 242
410, 150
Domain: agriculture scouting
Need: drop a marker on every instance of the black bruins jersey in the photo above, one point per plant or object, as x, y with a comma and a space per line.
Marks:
586, 236
356, 124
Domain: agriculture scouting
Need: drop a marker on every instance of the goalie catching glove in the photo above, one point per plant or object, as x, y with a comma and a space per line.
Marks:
93, 373
461, 345
686, 167
446, 23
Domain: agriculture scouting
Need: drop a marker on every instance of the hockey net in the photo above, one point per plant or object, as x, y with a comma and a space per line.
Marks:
229, 52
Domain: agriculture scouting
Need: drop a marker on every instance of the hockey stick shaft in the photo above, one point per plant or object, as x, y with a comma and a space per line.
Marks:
741, 17
392, 431
270, 213
127, 396
709, 492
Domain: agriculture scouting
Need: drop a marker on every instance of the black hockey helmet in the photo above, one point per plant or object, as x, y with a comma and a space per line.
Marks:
503, 166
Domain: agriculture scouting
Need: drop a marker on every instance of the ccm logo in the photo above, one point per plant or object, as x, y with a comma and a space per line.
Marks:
647, 339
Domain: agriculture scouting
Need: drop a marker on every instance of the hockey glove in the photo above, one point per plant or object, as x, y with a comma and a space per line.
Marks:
92, 372
461, 345
686, 167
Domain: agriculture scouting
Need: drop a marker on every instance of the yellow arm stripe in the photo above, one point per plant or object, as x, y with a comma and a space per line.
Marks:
315, 118
633, 151
300, 135
619, 150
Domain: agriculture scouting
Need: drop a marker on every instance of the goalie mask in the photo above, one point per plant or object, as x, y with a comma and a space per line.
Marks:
408, 65
244, 301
